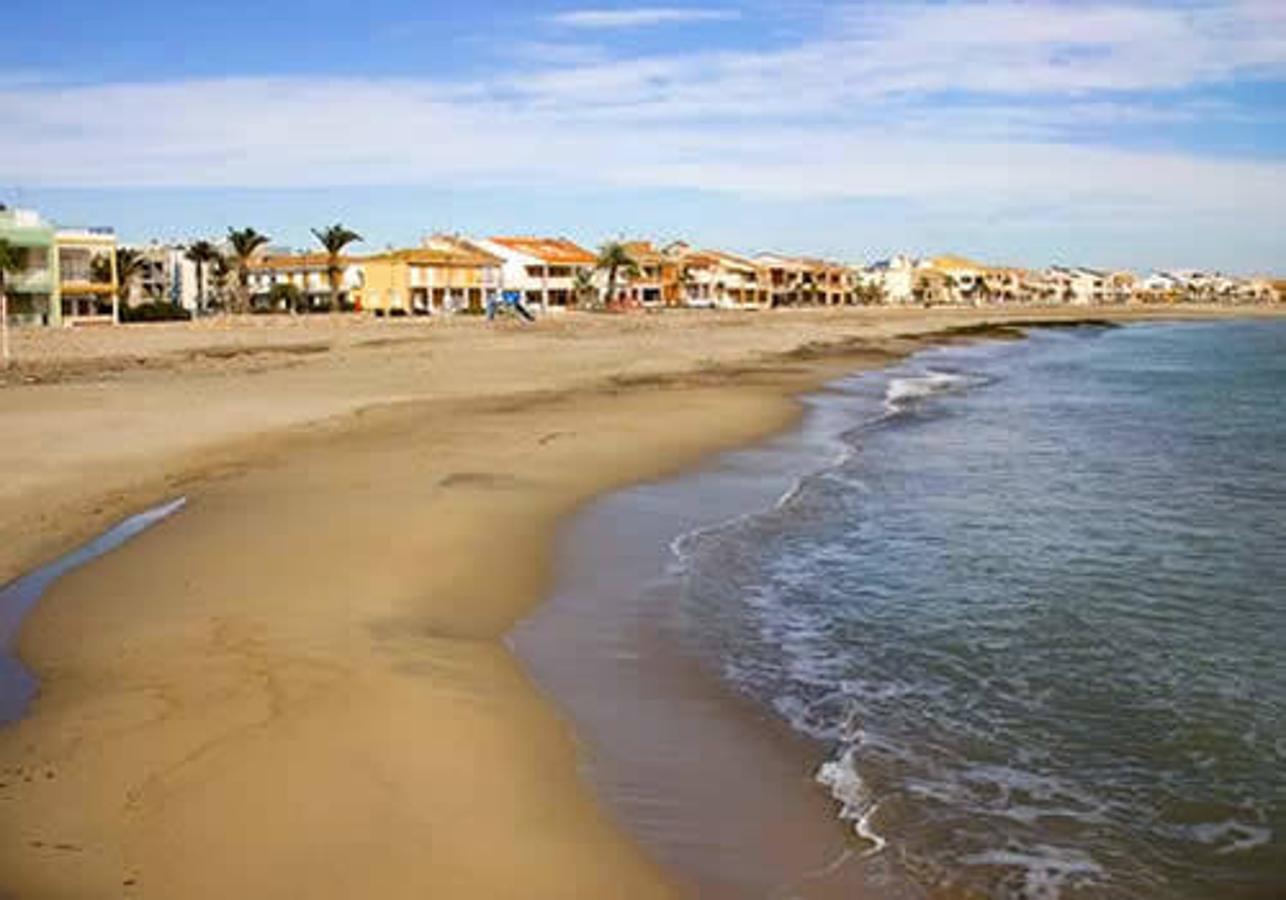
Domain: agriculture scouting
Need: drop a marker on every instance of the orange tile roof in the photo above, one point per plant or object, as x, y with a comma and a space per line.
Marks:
282, 261
550, 250
720, 258
459, 255
643, 253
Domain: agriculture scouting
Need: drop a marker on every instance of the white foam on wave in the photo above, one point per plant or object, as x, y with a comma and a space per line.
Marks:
909, 388
1044, 871
1240, 836
856, 805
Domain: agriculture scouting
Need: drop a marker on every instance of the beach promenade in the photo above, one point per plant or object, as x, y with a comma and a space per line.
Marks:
298, 685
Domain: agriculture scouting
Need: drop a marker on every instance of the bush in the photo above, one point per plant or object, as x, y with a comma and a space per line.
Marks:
155, 312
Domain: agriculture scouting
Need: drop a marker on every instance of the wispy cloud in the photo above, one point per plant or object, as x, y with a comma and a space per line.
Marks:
977, 107
641, 17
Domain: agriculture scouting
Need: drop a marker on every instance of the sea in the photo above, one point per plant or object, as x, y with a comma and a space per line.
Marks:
1035, 609
1017, 607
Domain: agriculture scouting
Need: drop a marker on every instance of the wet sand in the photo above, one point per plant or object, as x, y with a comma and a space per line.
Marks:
298, 684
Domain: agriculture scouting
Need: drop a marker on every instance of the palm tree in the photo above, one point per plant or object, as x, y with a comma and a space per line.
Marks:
222, 270
615, 259
9, 262
982, 292
335, 239
582, 284
201, 253
129, 265
245, 244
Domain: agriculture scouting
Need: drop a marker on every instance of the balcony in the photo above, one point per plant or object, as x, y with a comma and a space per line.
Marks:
32, 281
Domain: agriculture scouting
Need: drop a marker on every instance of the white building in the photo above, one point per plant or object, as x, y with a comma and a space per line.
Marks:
309, 273
166, 276
1079, 286
545, 271
895, 277
717, 279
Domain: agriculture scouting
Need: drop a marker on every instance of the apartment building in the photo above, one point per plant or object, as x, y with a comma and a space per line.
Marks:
309, 273
33, 289
718, 279
548, 272
446, 274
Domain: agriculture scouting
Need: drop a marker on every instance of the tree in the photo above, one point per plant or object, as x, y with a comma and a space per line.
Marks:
582, 284
982, 292
245, 244
285, 296
129, 265
201, 253
10, 261
687, 281
335, 239
615, 260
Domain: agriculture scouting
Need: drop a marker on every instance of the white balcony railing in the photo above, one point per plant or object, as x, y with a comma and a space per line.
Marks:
32, 281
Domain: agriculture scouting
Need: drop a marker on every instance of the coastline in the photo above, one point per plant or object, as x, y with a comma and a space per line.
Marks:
331, 708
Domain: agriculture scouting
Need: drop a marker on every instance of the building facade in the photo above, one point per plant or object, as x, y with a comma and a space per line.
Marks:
33, 290
309, 273
446, 274
68, 275
547, 272
717, 279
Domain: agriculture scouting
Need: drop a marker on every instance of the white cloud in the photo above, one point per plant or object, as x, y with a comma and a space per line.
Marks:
641, 17
856, 113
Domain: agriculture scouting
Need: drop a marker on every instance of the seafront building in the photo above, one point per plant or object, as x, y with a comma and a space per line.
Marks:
68, 275
656, 283
549, 273
445, 274
165, 275
718, 279
309, 273
797, 280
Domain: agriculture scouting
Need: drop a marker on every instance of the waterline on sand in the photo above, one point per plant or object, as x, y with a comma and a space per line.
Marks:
17, 684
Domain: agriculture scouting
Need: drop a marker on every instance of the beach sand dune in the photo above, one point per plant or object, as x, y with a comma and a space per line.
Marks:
298, 684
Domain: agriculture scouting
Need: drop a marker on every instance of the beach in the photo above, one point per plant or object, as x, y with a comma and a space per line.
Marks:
299, 683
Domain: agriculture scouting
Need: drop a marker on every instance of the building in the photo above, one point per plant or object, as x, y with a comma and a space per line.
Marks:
548, 272
33, 290
68, 275
446, 274
795, 280
656, 283
87, 283
717, 279
165, 275
892, 278
310, 275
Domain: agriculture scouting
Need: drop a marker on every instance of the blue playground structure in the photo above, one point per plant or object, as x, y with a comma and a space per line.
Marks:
511, 300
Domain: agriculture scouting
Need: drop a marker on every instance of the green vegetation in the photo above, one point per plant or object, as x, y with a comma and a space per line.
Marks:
9, 262
245, 243
614, 259
154, 312
334, 239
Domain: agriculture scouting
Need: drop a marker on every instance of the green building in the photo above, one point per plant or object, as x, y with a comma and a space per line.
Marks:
33, 289
68, 274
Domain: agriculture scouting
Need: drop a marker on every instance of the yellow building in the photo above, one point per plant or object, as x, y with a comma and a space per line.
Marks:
445, 274
87, 280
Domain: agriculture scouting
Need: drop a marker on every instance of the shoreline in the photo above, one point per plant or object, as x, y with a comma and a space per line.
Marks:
232, 743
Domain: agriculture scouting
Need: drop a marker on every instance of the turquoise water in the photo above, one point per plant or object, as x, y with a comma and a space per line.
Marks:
1036, 610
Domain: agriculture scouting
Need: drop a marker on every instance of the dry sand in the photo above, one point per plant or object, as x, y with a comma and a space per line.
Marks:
297, 686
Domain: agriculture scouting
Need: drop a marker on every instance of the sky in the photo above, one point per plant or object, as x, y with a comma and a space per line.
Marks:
1129, 133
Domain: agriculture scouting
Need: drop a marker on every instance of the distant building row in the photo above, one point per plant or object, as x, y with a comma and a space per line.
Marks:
70, 276
956, 280
448, 273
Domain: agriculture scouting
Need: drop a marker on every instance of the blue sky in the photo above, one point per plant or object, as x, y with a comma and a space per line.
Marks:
1111, 132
